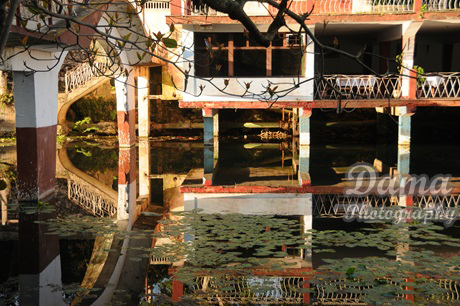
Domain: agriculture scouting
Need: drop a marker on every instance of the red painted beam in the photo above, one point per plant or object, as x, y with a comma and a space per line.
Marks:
262, 189
316, 18
320, 104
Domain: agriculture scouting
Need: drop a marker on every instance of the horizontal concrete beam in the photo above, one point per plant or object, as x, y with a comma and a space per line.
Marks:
251, 204
321, 104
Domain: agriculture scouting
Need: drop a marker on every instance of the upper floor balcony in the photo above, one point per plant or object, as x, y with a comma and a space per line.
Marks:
228, 62
197, 7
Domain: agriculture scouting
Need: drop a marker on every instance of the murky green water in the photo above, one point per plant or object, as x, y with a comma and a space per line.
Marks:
229, 254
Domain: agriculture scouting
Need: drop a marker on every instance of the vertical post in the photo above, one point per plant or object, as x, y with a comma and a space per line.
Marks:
208, 120
40, 268
127, 151
127, 184
215, 133
404, 131
306, 295
418, 5
126, 113
409, 78
211, 143
143, 105
177, 290
304, 147
144, 168
404, 139
176, 7
36, 103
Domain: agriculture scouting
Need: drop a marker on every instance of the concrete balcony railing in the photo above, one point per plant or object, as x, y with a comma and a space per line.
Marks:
338, 7
157, 5
439, 85
31, 18
357, 87
83, 73
251, 8
236, 89
441, 5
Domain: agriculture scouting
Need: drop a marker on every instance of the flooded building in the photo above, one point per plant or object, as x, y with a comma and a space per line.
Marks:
226, 182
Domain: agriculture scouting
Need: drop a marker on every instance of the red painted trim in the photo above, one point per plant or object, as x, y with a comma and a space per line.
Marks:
127, 165
410, 297
321, 103
259, 189
412, 85
306, 112
36, 153
418, 5
126, 127
177, 290
306, 296
207, 112
175, 7
315, 18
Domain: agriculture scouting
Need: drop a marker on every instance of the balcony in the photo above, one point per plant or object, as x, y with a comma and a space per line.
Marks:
439, 85
196, 8
356, 87
31, 18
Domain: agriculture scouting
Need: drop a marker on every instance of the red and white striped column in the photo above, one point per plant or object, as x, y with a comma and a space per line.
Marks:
126, 115
36, 103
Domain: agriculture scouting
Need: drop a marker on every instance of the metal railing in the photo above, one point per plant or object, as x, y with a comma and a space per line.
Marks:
157, 5
91, 199
439, 85
440, 5
27, 12
335, 205
357, 87
245, 290
160, 260
333, 7
447, 201
83, 73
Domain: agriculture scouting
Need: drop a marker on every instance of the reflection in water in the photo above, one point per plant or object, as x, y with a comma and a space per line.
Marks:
251, 223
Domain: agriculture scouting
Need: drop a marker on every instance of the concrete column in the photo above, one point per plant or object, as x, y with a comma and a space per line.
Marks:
304, 165
404, 130
211, 143
209, 165
36, 103
126, 113
127, 184
409, 81
211, 123
404, 138
215, 133
304, 126
40, 268
304, 146
143, 105
144, 167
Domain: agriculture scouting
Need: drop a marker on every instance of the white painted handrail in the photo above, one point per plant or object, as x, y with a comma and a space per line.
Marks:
439, 85
357, 87
441, 5
83, 73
